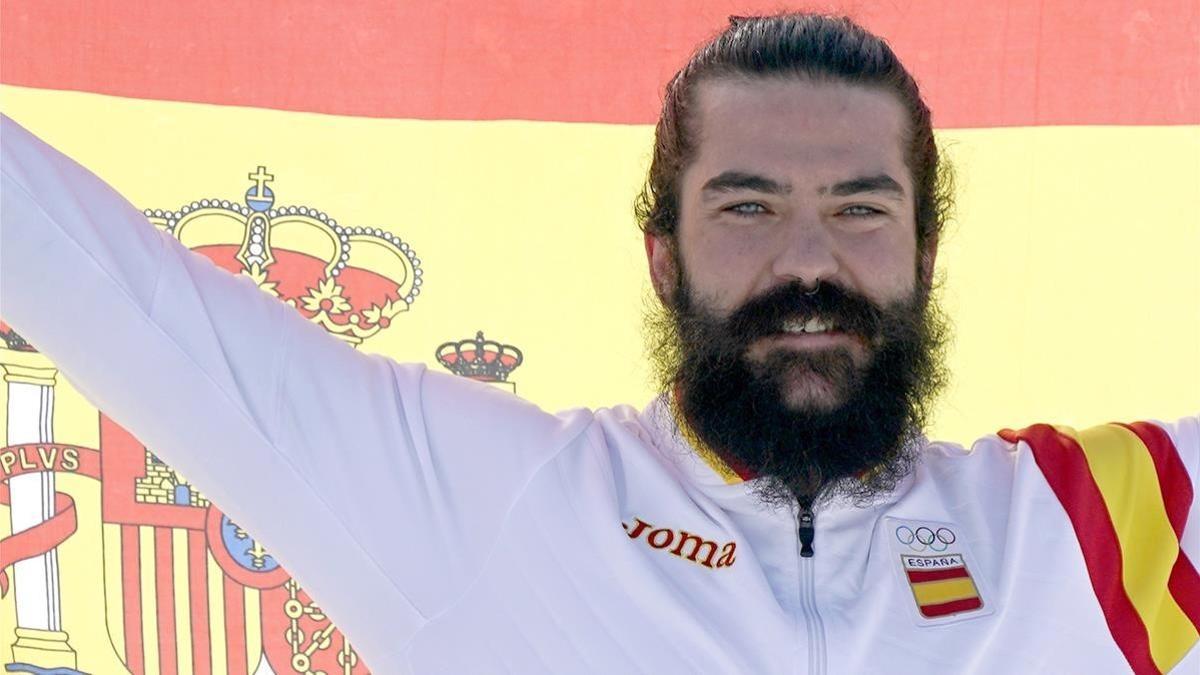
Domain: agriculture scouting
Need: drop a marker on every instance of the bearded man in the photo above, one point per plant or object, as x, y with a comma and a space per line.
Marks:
776, 510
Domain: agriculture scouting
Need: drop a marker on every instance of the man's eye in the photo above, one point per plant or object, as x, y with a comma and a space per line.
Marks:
747, 209
859, 210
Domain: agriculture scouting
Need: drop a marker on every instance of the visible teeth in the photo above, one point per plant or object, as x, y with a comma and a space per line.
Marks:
813, 325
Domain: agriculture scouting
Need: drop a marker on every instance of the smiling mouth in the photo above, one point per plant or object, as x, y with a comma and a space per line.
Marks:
812, 326
829, 338
811, 333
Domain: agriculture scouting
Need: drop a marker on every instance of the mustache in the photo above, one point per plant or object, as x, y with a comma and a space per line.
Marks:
765, 314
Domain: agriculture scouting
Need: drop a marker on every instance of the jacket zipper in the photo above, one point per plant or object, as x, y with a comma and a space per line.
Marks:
806, 531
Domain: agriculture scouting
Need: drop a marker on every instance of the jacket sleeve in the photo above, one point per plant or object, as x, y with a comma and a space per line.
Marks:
1184, 435
380, 486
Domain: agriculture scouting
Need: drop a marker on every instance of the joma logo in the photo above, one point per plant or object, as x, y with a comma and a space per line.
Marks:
683, 544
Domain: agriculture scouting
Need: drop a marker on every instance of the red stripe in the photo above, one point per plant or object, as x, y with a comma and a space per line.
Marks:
164, 600
198, 600
918, 576
235, 627
131, 597
1065, 468
1173, 478
1184, 584
743, 472
952, 607
980, 63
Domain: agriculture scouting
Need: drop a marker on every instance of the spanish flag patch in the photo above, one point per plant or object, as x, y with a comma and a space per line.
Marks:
941, 585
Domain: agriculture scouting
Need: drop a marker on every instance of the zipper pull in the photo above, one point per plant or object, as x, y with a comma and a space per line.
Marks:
807, 531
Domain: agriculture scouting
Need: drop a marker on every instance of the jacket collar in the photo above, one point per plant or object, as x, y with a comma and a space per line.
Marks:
707, 467
694, 458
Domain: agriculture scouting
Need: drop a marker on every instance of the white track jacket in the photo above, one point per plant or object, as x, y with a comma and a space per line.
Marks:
449, 527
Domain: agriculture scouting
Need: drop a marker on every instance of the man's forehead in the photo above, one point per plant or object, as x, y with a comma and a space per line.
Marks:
798, 130
801, 102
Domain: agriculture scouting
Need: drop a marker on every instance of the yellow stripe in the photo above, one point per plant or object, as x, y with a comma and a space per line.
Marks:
716, 463
149, 606
1124, 472
183, 604
944, 590
216, 616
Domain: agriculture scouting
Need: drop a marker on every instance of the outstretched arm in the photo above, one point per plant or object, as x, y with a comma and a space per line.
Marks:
369, 480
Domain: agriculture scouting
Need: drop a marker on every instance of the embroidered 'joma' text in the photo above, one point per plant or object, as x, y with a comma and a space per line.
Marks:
683, 544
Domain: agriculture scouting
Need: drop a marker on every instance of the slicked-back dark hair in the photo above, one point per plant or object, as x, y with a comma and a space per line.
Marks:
815, 47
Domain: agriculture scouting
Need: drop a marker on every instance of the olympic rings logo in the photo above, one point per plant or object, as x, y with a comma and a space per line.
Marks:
924, 538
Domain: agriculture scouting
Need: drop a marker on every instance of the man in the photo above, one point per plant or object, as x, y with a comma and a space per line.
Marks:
776, 510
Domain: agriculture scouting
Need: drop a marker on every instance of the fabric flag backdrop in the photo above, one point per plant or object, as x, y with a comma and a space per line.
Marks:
412, 176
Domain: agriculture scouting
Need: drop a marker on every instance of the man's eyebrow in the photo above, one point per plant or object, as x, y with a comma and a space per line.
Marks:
879, 183
729, 181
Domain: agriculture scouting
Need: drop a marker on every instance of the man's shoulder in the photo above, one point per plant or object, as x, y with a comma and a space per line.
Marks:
647, 443
1156, 444
1107, 461
625, 428
1112, 439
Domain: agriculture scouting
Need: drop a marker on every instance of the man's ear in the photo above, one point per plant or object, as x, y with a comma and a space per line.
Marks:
928, 258
660, 256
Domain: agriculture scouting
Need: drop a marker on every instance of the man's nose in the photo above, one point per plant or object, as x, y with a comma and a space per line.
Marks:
806, 251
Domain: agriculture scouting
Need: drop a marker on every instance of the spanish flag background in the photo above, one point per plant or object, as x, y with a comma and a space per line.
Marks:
452, 182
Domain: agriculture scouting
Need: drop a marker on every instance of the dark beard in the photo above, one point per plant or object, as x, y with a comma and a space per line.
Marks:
862, 446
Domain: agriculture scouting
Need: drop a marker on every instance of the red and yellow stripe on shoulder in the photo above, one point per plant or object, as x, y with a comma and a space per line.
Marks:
1127, 494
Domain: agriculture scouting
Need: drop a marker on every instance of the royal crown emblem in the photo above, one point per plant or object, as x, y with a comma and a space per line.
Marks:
480, 359
352, 281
